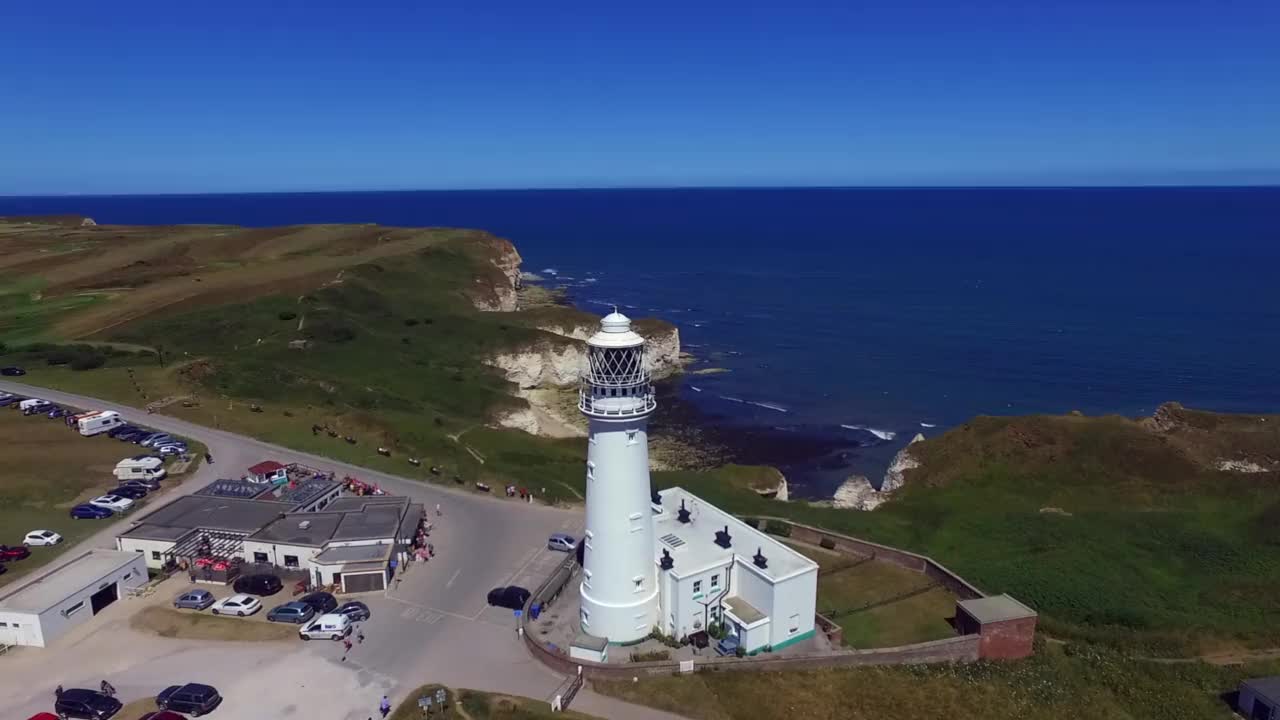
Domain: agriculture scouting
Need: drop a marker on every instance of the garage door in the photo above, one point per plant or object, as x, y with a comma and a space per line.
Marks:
104, 597
364, 582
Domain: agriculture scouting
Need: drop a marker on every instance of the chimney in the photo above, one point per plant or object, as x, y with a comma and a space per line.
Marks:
654, 497
666, 563
683, 514
722, 538
760, 560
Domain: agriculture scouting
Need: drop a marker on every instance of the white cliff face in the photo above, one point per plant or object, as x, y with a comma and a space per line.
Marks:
1240, 466
856, 493
895, 476
496, 292
558, 364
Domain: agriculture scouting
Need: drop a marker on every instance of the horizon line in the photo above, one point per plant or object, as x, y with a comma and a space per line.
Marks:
621, 188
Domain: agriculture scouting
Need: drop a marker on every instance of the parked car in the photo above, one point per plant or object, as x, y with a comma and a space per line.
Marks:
132, 492
154, 439
321, 602
9, 553
44, 716
41, 537
3, 569
355, 610
239, 604
166, 450
90, 512
727, 646
10, 400
263, 585
512, 597
144, 483
332, 626
562, 542
112, 502
86, 704
119, 430
193, 698
132, 435
194, 600
162, 715
293, 612
58, 412
12, 371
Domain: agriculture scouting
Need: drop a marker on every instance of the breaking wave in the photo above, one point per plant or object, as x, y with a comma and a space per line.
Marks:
767, 406
882, 434
927, 425
695, 388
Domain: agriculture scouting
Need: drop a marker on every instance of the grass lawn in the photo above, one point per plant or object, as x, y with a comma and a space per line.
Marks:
1055, 683
476, 705
191, 625
47, 468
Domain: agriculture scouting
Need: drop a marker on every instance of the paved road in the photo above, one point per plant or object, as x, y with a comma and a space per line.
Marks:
433, 626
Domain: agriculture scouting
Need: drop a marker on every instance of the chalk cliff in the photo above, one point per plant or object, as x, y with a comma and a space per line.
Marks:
557, 360
895, 476
495, 287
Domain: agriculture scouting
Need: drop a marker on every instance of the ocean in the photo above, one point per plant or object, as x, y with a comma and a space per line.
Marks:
864, 316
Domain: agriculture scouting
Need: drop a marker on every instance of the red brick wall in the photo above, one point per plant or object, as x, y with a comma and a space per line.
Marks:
1007, 640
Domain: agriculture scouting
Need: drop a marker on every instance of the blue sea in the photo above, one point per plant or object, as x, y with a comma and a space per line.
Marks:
865, 316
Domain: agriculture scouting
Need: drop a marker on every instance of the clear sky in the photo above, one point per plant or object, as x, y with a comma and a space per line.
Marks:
140, 96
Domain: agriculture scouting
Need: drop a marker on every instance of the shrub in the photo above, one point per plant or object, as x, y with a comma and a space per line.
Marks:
287, 315
88, 361
740, 652
775, 527
410, 322
827, 543
651, 656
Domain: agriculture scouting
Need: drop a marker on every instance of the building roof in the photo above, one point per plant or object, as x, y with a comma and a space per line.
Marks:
266, 466
996, 608
374, 522
353, 553
342, 520
409, 525
306, 529
358, 503
64, 579
147, 531
590, 642
693, 545
301, 492
744, 611
1267, 687
215, 513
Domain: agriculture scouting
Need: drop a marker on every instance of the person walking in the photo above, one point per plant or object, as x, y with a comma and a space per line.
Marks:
359, 636
385, 706
438, 509
108, 689
57, 692
208, 458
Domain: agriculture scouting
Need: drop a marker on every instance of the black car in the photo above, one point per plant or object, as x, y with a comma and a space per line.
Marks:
261, 585
12, 371
512, 597
133, 492
357, 611
321, 602
144, 483
86, 704
119, 430
192, 699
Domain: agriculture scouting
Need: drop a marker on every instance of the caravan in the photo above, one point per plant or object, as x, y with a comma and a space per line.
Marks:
96, 422
140, 467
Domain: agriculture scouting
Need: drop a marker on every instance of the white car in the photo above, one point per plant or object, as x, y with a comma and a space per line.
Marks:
41, 537
115, 503
237, 605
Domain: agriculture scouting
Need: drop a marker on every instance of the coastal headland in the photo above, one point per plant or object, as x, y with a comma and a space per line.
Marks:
1150, 537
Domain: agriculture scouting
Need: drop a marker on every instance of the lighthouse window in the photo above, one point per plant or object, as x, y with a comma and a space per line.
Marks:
631, 437
639, 584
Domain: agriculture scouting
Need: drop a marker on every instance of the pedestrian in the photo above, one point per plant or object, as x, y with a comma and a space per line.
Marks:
208, 457
360, 636
191, 572
57, 692
437, 508
385, 706
108, 689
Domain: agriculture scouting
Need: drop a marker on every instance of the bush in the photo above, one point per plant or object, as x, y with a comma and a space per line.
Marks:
410, 322
88, 361
776, 527
287, 315
827, 543
651, 656
740, 652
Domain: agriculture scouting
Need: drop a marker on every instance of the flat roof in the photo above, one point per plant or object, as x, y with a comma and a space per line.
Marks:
1267, 687
320, 527
215, 513
744, 611
266, 466
353, 553
693, 544
64, 579
360, 502
374, 522
297, 494
590, 642
147, 531
996, 608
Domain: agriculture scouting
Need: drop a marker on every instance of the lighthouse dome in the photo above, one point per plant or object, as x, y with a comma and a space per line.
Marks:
615, 322
615, 332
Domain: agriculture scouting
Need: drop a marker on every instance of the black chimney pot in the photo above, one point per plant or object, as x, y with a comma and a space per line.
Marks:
682, 515
666, 563
654, 497
722, 538
760, 560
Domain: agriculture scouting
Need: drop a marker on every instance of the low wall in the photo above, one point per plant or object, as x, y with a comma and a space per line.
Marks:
834, 633
931, 568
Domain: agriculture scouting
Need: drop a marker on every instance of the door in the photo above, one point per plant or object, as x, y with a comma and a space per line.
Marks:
10, 633
103, 598
366, 582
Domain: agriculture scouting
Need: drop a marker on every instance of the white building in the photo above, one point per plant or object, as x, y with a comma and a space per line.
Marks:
716, 569
669, 560
36, 610
619, 589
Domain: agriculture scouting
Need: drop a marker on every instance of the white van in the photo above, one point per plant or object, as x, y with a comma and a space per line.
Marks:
332, 626
31, 405
96, 422
141, 467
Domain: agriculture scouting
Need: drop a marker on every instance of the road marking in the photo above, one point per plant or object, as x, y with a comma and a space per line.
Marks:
412, 609
452, 578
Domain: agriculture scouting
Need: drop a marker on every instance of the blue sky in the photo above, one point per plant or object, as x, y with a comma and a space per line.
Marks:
141, 96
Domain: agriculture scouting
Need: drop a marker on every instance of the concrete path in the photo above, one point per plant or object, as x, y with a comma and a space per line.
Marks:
432, 626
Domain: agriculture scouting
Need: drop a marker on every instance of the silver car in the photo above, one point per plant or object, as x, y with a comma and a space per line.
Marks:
194, 600
562, 542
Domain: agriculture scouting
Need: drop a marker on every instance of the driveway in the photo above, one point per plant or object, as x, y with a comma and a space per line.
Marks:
432, 626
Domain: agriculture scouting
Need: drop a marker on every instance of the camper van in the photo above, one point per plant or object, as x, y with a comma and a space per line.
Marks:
97, 422
32, 405
141, 467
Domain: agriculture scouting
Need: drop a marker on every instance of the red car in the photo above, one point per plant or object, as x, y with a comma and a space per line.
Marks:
43, 716
162, 715
14, 552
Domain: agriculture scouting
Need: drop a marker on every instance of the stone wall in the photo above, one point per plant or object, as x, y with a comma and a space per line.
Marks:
1007, 640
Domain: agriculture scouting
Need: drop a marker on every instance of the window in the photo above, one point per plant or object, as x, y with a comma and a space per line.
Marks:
291, 561
155, 554
793, 625
631, 437
4, 624
73, 609
697, 586
639, 583
139, 550
260, 558
715, 581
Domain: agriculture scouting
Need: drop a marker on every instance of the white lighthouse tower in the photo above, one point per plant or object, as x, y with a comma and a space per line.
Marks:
619, 591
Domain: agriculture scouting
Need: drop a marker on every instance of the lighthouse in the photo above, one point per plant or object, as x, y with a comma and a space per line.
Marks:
619, 590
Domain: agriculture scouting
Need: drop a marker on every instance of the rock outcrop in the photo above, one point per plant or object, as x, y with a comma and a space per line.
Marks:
558, 361
895, 477
1165, 418
856, 493
1240, 466
496, 289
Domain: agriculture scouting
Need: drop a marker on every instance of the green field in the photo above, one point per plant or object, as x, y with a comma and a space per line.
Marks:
1056, 683
48, 468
